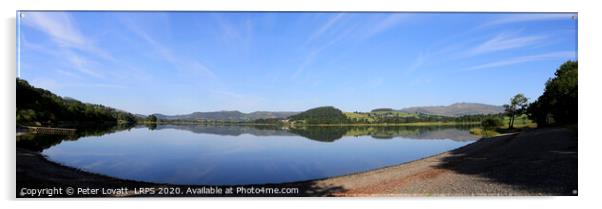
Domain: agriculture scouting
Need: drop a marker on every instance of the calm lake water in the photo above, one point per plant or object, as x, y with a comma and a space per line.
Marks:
223, 155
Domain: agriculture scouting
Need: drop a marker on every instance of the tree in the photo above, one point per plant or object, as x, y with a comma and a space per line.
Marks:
558, 104
151, 118
490, 124
518, 105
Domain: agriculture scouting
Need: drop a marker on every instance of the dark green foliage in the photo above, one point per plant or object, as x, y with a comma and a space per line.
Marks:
422, 118
491, 123
476, 118
323, 134
151, 119
151, 126
275, 121
36, 106
558, 104
40, 142
382, 110
321, 115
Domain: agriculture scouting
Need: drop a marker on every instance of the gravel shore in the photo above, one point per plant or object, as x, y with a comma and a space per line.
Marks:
534, 162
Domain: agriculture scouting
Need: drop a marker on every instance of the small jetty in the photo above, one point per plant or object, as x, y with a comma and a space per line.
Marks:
48, 130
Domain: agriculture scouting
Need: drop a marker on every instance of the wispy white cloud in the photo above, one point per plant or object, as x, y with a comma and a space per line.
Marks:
200, 67
386, 23
64, 32
230, 31
468, 43
449, 49
335, 36
69, 43
313, 52
81, 64
56, 24
238, 35
336, 29
70, 60
68, 73
307, 61
503, 41
525, 59
515, 18
169, 55
418, 63
338, 25
325, 27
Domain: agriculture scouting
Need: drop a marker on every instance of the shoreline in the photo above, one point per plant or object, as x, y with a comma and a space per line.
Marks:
479, 168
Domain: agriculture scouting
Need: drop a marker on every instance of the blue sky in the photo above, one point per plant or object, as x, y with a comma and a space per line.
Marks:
182, 62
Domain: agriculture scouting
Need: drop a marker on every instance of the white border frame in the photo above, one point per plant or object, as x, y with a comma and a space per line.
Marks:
589, 29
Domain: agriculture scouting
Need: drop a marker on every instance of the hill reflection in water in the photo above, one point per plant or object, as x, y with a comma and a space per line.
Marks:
332, 133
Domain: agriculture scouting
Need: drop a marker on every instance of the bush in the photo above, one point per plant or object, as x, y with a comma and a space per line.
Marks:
491, 123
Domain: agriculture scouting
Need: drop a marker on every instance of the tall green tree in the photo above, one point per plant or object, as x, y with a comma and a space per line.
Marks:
558, 104
152, 118
518, 105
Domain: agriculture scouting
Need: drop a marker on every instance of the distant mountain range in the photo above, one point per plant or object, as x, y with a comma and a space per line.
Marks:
36, 105
456, 109
227, 116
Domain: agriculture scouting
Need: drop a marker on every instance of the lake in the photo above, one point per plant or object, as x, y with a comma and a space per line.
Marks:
228, 155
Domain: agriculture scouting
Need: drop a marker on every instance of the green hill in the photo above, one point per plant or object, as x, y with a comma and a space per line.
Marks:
36, 106
321, 115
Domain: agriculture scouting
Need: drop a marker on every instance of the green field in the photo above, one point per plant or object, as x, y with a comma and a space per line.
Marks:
521, 121
371, 117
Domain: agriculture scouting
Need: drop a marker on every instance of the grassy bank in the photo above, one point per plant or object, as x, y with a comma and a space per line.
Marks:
477, 131
521, 123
